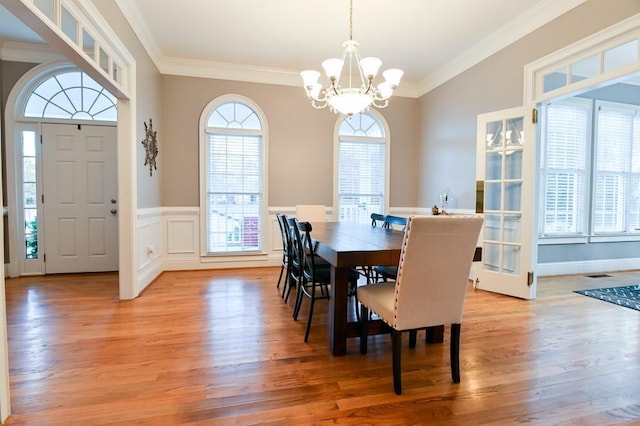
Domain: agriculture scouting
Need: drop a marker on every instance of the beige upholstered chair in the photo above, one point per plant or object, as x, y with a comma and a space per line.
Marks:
311, 213
430, 289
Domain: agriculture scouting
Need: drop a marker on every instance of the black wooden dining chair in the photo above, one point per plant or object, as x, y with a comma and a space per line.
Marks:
314, 274
288, 268
285, 267
295, 261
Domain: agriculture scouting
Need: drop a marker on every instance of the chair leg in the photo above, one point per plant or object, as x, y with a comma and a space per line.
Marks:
280, 277
396, 343
291, 282
364, 328
296, 306
286, 288
413, 334
455, 352
313, 302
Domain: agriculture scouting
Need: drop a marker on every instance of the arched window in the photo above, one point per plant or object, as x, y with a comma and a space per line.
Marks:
362, 179
232, 176
71, 95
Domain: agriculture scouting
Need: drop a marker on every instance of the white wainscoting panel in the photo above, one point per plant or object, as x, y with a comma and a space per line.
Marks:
182, 238
149, 229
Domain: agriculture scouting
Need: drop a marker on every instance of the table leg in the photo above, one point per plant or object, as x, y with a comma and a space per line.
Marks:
338, 310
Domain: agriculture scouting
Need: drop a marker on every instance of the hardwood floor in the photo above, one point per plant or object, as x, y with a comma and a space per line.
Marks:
220, 347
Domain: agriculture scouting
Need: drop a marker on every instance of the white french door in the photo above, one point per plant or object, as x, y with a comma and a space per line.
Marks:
505, 173
80, 198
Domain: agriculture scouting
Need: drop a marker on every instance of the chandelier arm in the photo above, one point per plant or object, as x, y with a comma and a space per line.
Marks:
380, 103
319, 104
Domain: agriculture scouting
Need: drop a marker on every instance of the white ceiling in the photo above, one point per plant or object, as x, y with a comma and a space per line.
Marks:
271, 41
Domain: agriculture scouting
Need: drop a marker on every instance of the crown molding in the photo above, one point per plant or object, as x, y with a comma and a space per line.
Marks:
140, 28
534, 18
522, 25
247, 73
28, 52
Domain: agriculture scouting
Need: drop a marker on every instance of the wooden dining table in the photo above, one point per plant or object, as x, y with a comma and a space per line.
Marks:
347, 245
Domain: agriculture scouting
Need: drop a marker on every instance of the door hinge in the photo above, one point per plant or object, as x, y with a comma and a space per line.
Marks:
534, 115
42, 198
44, 258
40, 139
529, 279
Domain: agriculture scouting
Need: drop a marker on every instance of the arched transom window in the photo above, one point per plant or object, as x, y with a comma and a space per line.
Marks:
71, 95
362, 167
233, 181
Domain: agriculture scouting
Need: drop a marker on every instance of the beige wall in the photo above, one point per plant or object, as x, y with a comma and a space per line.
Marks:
300, 142
148, 98
447, 114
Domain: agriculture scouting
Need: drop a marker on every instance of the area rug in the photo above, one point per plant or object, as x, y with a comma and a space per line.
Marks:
627, 296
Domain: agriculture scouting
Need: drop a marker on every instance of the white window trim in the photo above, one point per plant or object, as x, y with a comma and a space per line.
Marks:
202, 149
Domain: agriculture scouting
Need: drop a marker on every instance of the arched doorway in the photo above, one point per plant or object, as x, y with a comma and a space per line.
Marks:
61, 173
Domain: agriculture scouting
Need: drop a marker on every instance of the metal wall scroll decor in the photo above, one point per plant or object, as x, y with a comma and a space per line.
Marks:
150, 144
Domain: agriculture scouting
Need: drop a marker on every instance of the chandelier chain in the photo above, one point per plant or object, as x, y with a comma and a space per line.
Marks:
350, 19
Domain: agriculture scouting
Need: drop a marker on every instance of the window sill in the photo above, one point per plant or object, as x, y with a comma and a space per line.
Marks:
233, 257
614, 238
562, 240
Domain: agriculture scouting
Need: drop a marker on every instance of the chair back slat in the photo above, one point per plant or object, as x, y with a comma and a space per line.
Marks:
391, 220
377, 219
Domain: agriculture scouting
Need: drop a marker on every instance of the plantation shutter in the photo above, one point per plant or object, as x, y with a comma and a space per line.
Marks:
361, 181
564, 168
617, 164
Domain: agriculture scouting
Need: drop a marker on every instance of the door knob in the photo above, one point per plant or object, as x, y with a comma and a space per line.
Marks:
113, 201
114, 211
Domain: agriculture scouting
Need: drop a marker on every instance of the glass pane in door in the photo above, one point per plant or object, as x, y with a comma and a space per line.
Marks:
503, 195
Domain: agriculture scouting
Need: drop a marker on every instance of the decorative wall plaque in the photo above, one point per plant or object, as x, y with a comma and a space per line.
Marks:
150, 144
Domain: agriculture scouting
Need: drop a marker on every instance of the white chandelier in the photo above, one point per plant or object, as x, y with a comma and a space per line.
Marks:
345, 98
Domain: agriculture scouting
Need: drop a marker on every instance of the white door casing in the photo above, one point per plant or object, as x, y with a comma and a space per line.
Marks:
80, 198
505, 171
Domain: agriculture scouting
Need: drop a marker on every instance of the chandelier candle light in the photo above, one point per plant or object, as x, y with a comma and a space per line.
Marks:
345, 98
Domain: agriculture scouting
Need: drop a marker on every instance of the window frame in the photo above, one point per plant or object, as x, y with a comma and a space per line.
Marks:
625, 234
589, 235
385, 139
263, 134
583, 222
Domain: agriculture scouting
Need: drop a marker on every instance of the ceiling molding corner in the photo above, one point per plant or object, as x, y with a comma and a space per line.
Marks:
512, 31
226, 71
141, 29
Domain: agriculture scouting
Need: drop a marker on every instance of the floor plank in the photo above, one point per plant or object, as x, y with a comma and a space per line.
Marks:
220, 347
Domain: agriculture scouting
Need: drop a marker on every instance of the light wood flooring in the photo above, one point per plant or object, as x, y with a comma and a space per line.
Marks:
220, 347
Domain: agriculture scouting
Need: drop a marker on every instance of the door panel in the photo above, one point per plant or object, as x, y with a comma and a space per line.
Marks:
80, 188
506, 176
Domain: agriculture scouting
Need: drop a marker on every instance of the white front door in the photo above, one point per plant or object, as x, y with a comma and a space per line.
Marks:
80, 198
505, 171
